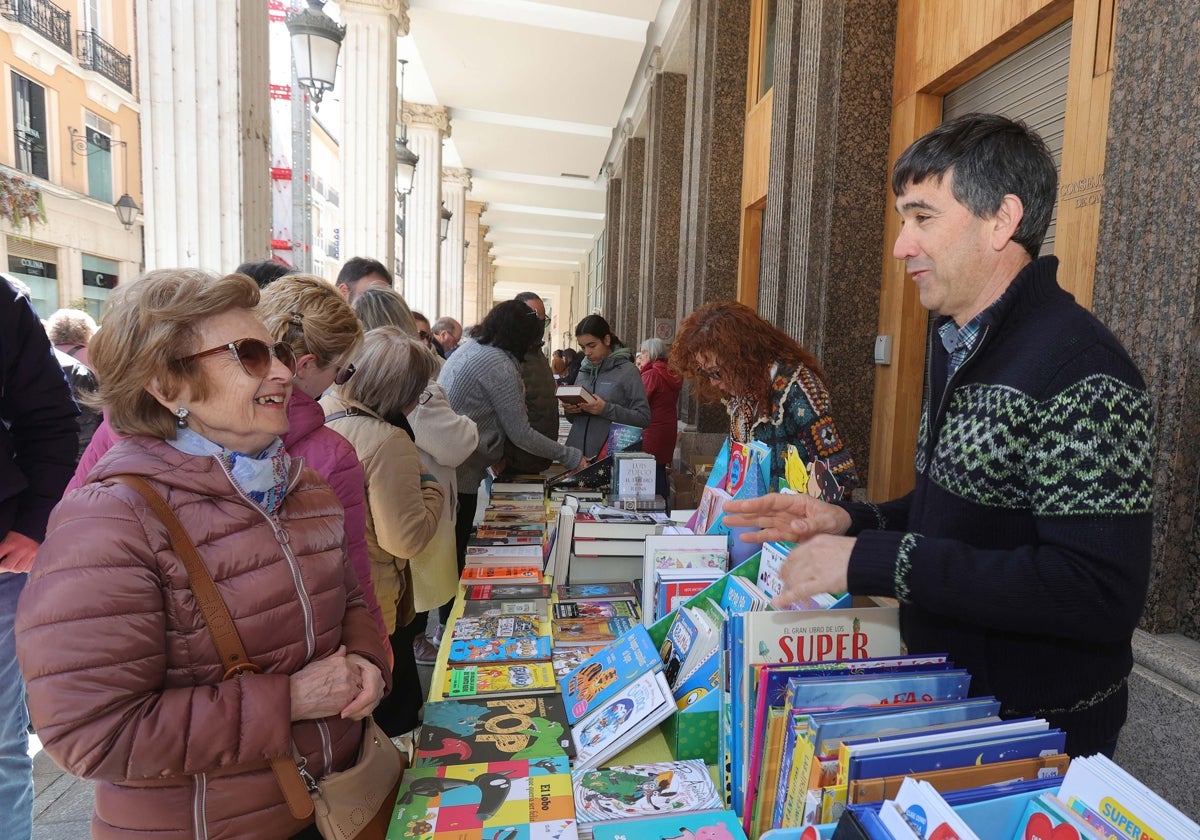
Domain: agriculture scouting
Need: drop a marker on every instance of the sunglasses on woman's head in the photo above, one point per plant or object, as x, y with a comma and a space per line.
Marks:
711, 373
253, 355
343, 375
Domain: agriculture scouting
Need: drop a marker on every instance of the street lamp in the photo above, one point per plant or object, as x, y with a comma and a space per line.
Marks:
316, 40
127, 210
445, 225
406, 159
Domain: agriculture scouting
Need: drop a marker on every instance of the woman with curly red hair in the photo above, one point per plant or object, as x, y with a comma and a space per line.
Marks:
774, 389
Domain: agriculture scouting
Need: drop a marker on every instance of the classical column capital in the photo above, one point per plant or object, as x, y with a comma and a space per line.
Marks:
457, 176
417, 115
395, 8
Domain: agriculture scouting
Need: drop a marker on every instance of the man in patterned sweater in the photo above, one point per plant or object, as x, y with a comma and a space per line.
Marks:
1024, 549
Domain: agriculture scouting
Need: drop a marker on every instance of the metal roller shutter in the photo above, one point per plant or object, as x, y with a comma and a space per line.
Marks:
1029, 85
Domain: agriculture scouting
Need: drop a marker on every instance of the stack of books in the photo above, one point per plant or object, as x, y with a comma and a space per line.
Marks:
676, 567
608, 543
510, 544
501, 643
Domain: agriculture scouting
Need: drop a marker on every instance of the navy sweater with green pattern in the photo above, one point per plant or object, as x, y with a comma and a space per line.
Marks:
1023, 550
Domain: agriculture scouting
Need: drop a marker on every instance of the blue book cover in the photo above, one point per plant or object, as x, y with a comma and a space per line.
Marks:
500, 650
710, 825
837, 692
616, 666
701, 690
835, 727
957, 755
740, 596
797, 725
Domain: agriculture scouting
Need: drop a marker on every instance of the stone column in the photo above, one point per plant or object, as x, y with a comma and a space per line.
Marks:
368, 128
473, 233
612, 248
623, 316
427, 125
1146, 277
710, 215
823, 225
208, 192
456, 182
661, 206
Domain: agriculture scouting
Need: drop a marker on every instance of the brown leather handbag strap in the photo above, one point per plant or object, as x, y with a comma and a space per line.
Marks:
220, 624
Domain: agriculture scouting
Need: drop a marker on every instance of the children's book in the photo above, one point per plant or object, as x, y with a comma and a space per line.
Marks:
503, 554
568, 632
597, 592
499, 650
516, 574
498, 678
674, 587
528, 726
1096, 783
506, 591
623, 718
596, 609
757, 638
567, 659
515, 800
678, 551
634, 791
962, 778
616, 665
480, 608
525, 626
714, 825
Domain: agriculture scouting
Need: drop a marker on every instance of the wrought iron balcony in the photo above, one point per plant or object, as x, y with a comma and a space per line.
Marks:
97, 54
43, 17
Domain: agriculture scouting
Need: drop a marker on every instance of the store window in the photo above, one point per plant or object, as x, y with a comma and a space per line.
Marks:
99, 278
766, 65
36, 266
99, 157
29, 126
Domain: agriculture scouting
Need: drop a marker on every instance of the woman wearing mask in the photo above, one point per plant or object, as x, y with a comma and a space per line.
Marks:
125, 682
609, 373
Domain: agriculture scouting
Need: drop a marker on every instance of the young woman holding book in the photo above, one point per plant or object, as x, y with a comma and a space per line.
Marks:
773, 389
608, 373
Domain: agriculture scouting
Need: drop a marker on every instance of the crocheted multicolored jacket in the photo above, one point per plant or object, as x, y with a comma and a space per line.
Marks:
800, 415
1024, 549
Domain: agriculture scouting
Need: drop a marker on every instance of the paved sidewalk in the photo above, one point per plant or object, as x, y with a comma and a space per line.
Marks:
62, 804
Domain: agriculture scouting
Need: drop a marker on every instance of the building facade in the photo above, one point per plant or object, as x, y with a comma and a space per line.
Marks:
69, 117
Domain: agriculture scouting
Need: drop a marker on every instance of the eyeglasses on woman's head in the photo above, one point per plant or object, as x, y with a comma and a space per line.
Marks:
252, 355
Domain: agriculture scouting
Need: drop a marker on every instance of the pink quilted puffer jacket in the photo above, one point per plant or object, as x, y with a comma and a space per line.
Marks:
124, 680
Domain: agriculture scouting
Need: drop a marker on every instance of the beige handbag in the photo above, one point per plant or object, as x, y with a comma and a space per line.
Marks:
358, 803
355, 803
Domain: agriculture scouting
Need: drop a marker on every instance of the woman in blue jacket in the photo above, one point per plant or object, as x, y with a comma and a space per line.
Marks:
609, 373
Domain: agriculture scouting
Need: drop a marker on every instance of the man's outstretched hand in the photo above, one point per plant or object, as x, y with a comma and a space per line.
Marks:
789, 517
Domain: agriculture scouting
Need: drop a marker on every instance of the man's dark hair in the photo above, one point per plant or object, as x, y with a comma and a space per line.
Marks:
991, 156
356, 268
264, 272
511, 326
597, 326
525, 297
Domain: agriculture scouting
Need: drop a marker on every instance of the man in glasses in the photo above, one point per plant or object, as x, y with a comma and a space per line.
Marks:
540, 402
38, 445
448, 332
360, 274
